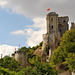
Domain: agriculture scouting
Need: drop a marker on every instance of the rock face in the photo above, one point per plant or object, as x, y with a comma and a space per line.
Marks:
38, 52
56, 27
65, 73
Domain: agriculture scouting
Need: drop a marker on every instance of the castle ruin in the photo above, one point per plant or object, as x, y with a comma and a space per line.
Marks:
56, 27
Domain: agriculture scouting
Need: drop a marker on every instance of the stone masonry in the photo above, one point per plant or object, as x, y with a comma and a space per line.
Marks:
72, 25
56, 27
21, 56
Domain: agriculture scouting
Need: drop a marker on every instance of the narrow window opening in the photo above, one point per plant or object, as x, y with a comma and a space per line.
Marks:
52, 26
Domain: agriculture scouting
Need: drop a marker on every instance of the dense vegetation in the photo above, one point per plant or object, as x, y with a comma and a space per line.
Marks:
30, 56
10, 63
65, 53
8, 67
63, 57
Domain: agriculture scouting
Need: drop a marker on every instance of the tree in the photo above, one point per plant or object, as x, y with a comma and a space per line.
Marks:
44, 69
71, 61
39, 69
4, 71
65, 53
34, 60
10, 63
24, 49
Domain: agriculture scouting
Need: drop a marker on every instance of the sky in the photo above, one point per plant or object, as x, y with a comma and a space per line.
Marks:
24, 21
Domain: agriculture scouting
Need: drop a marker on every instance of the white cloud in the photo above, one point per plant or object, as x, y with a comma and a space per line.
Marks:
18, 32
34, 36
36, 10
7, 49
3, 3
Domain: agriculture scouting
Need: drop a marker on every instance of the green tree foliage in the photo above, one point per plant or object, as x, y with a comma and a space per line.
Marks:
68, 41
11, 67
30, 53
34, 60
66, 51
4, 71
30, 56
10, 63
26, 71
24, 49
39, 69
44, 69
58, 56
71, 61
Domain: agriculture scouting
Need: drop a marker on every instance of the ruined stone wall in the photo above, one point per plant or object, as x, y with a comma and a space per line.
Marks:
72, 25
43, 57
48, 40
63, 24
52, 37
56, 27
45, 40
21, 57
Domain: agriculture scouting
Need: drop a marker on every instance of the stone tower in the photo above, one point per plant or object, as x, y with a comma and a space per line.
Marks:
72, 25
56, 27
52, 23
21, 57
52, 35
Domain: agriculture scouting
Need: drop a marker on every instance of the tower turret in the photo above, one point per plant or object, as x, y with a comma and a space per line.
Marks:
56, 27
52, 22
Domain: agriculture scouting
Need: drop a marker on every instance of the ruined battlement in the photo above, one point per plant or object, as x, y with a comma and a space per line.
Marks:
63, 19
56, 27
72, 25
51, 14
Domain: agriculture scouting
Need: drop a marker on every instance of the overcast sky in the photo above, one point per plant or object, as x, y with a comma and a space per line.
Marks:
24, 21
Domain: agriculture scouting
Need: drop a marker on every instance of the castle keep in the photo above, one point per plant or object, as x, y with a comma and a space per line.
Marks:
56, 27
